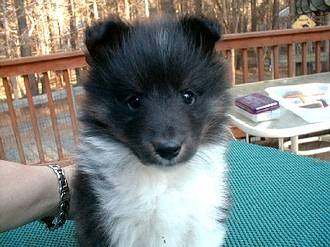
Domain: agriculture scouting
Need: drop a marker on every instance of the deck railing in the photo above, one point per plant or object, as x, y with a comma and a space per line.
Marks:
304, 39
57, 73
38, 116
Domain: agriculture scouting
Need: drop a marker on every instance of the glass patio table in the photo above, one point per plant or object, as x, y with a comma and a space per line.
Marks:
288, 125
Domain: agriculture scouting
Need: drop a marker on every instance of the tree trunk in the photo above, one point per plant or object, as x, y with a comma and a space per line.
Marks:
292, 11
146, 8
60, 43
51, 34
167, 7
95, 10
44, 28
236, 16
23, 31
253, 15
245, 24
24, 40
198, 6
73, 32
152, 7
245, 20
276, 9
127, 9
73, 28
5, 27
117, 8
183, 6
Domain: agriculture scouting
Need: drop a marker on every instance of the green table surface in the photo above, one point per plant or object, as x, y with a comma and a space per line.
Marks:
278, 199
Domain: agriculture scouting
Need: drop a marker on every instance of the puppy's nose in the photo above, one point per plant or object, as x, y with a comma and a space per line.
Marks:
167, 150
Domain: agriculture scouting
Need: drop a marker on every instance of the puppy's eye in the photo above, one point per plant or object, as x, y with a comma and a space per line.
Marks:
134, 102
188, 97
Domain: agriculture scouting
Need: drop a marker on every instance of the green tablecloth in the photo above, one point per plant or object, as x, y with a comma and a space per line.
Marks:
279, 199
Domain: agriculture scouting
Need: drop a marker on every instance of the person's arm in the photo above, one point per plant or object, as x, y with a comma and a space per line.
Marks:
28, 193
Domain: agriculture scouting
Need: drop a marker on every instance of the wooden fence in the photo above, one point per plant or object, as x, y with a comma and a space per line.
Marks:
57, 74
62, 66
311, 37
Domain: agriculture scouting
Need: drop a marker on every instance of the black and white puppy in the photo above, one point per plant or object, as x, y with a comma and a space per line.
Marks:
151, 164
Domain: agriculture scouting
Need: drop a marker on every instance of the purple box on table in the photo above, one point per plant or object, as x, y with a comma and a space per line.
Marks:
258, 107
256, 103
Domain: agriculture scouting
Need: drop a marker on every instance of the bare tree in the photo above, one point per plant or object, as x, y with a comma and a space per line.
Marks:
292, 5
146, 8
127, 9
57, 25
72, 21
253, 15
183, 6
198, 6
167, 7
5, 27
23, 31
24, 40
276, 10
153, 7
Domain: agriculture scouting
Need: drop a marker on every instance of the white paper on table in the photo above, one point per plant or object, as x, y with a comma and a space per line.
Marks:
311, 93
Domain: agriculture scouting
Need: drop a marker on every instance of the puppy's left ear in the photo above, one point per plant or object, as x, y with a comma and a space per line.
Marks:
104, 37
204, 31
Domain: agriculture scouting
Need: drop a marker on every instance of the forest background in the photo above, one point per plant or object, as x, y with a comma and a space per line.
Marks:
39, 27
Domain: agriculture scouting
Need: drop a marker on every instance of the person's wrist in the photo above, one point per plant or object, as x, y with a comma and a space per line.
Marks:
69, 174
64, 199
51, 197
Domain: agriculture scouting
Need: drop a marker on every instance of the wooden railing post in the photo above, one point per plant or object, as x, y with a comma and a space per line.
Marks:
230, 55
2, 151
53, 119
34, 120
291, 60
318, 56
245, 66
72, 106
328, 54
261, 63
13, 119
304, 58
276, 69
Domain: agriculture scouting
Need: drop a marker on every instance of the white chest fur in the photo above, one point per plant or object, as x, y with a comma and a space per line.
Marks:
146, 206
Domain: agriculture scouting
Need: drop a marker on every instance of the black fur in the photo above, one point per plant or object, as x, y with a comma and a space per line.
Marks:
88, 229
158, 62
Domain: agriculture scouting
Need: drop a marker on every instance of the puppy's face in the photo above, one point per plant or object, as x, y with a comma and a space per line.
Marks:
158, 88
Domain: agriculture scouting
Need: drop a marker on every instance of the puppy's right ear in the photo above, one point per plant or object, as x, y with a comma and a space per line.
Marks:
203, 31
105, 36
